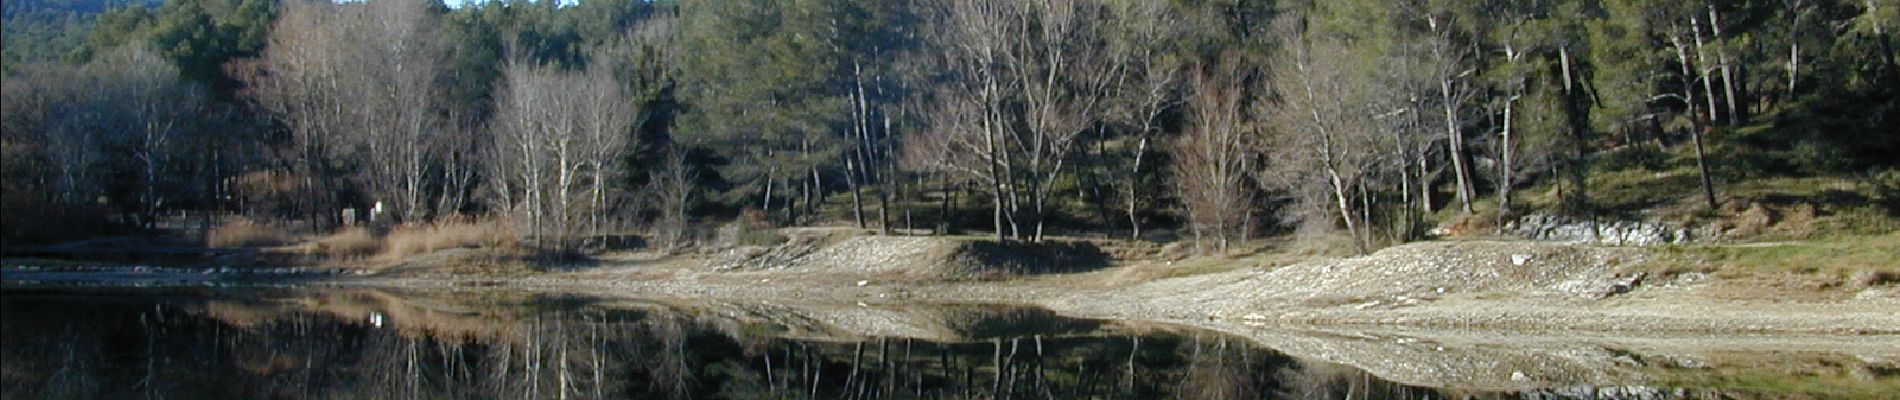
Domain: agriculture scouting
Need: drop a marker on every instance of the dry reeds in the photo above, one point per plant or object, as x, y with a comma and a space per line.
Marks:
406, 241
422, 239
248, 233
348, 243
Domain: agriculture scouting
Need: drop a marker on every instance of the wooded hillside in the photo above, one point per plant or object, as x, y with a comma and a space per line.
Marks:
1218, 121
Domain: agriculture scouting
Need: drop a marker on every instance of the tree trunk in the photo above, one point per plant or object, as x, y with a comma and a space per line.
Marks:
857, 201
765, 202
1576, 115
1506, 172
1424, 179
1886, 46
1134, 187
1457, 144
889, 183
857, 168
943, 209
1695, 129
1794, 69
1344, 203
1708, 83
998, 182
1729, 84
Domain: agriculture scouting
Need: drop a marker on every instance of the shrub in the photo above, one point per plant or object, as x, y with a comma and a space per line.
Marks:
1871, 278
761, 237
744, 233
1887, 186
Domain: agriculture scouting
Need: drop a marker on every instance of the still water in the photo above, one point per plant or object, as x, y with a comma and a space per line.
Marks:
337, 343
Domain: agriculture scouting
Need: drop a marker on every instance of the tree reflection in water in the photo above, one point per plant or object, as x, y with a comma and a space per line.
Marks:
102, 346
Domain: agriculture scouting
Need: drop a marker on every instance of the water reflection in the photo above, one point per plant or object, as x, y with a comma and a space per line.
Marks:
370, 344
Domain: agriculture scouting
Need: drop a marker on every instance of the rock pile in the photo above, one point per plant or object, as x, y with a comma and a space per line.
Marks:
1553, 228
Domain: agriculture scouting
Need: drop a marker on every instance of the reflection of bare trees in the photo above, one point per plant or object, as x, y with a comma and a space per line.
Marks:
671, 373
73, 378
1218, 370
584, 353
1322, 380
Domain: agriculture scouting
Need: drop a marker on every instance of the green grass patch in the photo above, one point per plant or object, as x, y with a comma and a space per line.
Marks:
1764, 383
1859, 260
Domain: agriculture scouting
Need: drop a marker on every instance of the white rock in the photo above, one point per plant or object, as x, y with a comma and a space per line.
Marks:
1520, 259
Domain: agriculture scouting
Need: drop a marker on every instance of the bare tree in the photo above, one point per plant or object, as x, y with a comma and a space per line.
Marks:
72, 142
1688, 77
536, 140
299, 80
1324, 144
1141, 39
1029, 79
969, 124
28, 170
360, 86
1212, 157
119, 120
1452, 73
1517, 72
559, 136
1066, 74
147, 106
607, 116
399, 56
673, 189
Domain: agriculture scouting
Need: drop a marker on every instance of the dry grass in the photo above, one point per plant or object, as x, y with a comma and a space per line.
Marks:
408, 241
422, 239
247, 233
351, 242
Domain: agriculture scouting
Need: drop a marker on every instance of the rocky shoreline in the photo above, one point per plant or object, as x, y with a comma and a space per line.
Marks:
1502, 285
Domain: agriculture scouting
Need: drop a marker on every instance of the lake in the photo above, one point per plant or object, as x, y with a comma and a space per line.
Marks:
290, 343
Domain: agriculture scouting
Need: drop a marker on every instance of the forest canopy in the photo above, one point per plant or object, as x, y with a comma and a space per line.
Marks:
1220, 121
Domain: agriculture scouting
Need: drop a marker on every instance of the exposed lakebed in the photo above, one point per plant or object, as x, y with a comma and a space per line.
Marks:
370, 343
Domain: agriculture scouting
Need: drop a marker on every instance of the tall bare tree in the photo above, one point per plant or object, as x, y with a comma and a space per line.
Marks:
399, 57
1325, 139
969, 125
360, 86
299, 80
673, 186
1143, 38
1212, 158
607, 117
1029, 79
1067, 74
559, 136
148, 107
1452, 74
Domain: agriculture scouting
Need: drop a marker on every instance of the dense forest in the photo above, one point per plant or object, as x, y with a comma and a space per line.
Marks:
1360, 122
